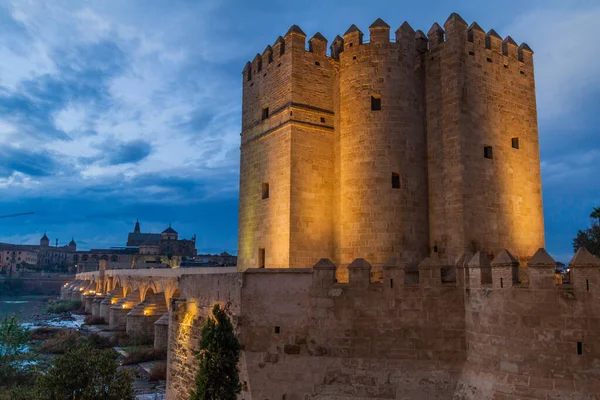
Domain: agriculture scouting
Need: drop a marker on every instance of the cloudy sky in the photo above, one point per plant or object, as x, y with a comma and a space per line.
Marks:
117, 110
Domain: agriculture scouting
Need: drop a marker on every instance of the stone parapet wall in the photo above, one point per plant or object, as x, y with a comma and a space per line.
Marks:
467, 331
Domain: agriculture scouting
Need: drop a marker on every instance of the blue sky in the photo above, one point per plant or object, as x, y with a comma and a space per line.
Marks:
114, 110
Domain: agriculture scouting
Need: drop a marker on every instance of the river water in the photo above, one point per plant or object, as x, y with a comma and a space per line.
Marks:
26, 306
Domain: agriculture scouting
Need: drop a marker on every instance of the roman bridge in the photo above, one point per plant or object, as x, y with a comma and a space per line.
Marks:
133, 300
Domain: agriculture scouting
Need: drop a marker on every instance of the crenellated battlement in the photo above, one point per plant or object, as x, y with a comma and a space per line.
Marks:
470, 272
455, 28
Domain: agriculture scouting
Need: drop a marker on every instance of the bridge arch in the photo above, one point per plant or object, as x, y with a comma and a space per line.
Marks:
148, 290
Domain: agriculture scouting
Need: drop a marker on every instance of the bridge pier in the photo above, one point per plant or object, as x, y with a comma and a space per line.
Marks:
96, 302
109, 300
118, 312
65, 291
78, 290
87, 302
161, 333
68, 293
141, 318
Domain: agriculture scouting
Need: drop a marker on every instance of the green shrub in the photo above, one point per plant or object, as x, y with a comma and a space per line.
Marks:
62, 342
98, 341
218, 356
18, 393
44, 333
61, 306
13, 339
85, 374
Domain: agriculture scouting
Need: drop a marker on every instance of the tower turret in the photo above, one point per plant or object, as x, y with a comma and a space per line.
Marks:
72, 245
44, 241
137, 227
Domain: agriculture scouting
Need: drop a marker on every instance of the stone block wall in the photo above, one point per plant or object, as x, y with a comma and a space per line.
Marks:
305, 335
536, 341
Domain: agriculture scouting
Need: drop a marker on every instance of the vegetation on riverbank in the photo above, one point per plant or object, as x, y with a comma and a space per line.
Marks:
13, 352
86, 367
61, 306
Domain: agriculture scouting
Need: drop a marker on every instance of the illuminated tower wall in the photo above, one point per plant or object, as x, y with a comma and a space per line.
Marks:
287, 151
381, 132
388, 149
484, 163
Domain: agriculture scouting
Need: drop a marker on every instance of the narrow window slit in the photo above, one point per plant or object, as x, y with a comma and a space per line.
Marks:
375, 103
261, 258
396, 181
488, 152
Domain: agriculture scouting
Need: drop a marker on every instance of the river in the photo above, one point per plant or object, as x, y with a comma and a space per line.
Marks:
26, 306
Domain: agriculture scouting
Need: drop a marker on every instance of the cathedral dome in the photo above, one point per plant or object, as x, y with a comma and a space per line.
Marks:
169, 230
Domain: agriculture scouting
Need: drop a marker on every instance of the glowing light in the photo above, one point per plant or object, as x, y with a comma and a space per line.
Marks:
81, 289
124, 306
113, 301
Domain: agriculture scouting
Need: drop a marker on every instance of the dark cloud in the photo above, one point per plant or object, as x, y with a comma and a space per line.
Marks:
124, 153
29, 162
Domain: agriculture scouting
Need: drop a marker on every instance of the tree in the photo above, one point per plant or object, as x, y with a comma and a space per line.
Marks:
218, 356
13, 341
85, 374
590, 237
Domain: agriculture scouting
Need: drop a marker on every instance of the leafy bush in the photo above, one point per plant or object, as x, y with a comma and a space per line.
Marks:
100, 342
44, 333
13, 339
158, 373
140, 355
18, 393
85, 374
57, 307
62, 342
590, 237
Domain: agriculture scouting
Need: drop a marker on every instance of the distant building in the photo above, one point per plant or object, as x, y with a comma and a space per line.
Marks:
16, 257
166, 243
142, 250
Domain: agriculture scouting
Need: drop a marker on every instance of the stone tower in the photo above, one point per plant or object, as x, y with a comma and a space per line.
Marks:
44, 241
391, 149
